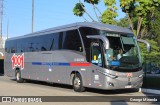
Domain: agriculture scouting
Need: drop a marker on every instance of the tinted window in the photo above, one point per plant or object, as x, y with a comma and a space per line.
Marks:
55, 42
88, 31
87, 42
33, 44
72, 41
64, 40
10, 46
43, 43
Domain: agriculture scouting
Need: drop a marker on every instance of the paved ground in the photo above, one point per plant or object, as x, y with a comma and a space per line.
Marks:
10, 87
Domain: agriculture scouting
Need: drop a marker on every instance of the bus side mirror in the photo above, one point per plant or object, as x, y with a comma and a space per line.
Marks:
147, 44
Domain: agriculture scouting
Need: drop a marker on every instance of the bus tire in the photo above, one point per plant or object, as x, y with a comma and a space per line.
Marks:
77, 83
18, 77
137, 89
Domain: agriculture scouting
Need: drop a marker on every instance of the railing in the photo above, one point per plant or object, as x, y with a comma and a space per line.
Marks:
151, 69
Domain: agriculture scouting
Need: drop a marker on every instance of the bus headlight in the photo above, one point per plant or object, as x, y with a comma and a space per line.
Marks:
140, 76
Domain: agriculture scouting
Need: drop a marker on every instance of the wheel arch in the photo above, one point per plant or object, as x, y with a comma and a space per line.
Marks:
72, 75
17, 69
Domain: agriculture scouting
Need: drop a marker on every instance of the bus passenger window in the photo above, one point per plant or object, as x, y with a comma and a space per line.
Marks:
13, 50
72, 41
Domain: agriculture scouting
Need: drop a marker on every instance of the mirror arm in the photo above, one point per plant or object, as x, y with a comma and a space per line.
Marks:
103, 38
146, 42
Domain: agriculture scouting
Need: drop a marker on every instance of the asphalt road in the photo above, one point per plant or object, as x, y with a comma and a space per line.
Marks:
9, 87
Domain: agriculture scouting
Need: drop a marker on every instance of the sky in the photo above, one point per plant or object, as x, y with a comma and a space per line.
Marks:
48, 14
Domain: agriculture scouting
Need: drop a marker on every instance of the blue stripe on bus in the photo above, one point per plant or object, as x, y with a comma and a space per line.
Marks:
36, 63
62, 63
51, 63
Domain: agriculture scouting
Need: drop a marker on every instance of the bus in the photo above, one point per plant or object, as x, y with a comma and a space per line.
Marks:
83, 54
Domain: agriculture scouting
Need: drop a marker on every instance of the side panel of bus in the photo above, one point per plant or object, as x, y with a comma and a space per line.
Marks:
52, 66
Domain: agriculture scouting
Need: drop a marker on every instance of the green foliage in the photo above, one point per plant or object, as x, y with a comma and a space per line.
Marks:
110, 13
154, 26
154, 54
140, 8
78, 9
127, 5
146, 6
110, 3
92, 1
123, 22
108, 17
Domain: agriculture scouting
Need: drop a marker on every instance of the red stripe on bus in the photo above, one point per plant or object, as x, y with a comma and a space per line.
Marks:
79, 64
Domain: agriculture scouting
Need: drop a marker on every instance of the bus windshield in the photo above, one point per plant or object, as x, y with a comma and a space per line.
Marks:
123, 53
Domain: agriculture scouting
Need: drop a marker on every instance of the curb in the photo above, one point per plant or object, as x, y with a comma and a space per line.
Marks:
153, 91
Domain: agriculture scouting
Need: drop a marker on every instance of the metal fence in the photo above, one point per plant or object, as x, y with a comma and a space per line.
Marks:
151, 69
151, 65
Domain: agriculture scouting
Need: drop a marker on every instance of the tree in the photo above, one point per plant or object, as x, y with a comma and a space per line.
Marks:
93, 3
153, 55
110, 13
123, 22
151, 34
154, 26
141, 8
79, 10
108, 16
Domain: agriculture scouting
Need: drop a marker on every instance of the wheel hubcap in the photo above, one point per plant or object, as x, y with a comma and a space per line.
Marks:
77, 82
18, 76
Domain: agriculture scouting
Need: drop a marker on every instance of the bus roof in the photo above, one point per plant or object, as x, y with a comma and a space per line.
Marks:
107, 27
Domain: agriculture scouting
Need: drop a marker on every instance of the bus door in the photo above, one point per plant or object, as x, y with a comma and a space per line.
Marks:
97, 60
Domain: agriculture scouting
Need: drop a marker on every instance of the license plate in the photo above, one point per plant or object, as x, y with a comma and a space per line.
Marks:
129, 86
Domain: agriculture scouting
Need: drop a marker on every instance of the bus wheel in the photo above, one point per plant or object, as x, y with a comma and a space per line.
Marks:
18, 77
137, 89
77, 83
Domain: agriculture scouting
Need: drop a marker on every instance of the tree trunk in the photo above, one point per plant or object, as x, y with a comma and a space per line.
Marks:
139, 25
97, 9
85, 19
143, 32
86, 11
96, 14
130, 22
94, 10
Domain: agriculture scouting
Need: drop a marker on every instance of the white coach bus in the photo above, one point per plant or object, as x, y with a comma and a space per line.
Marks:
82, 54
